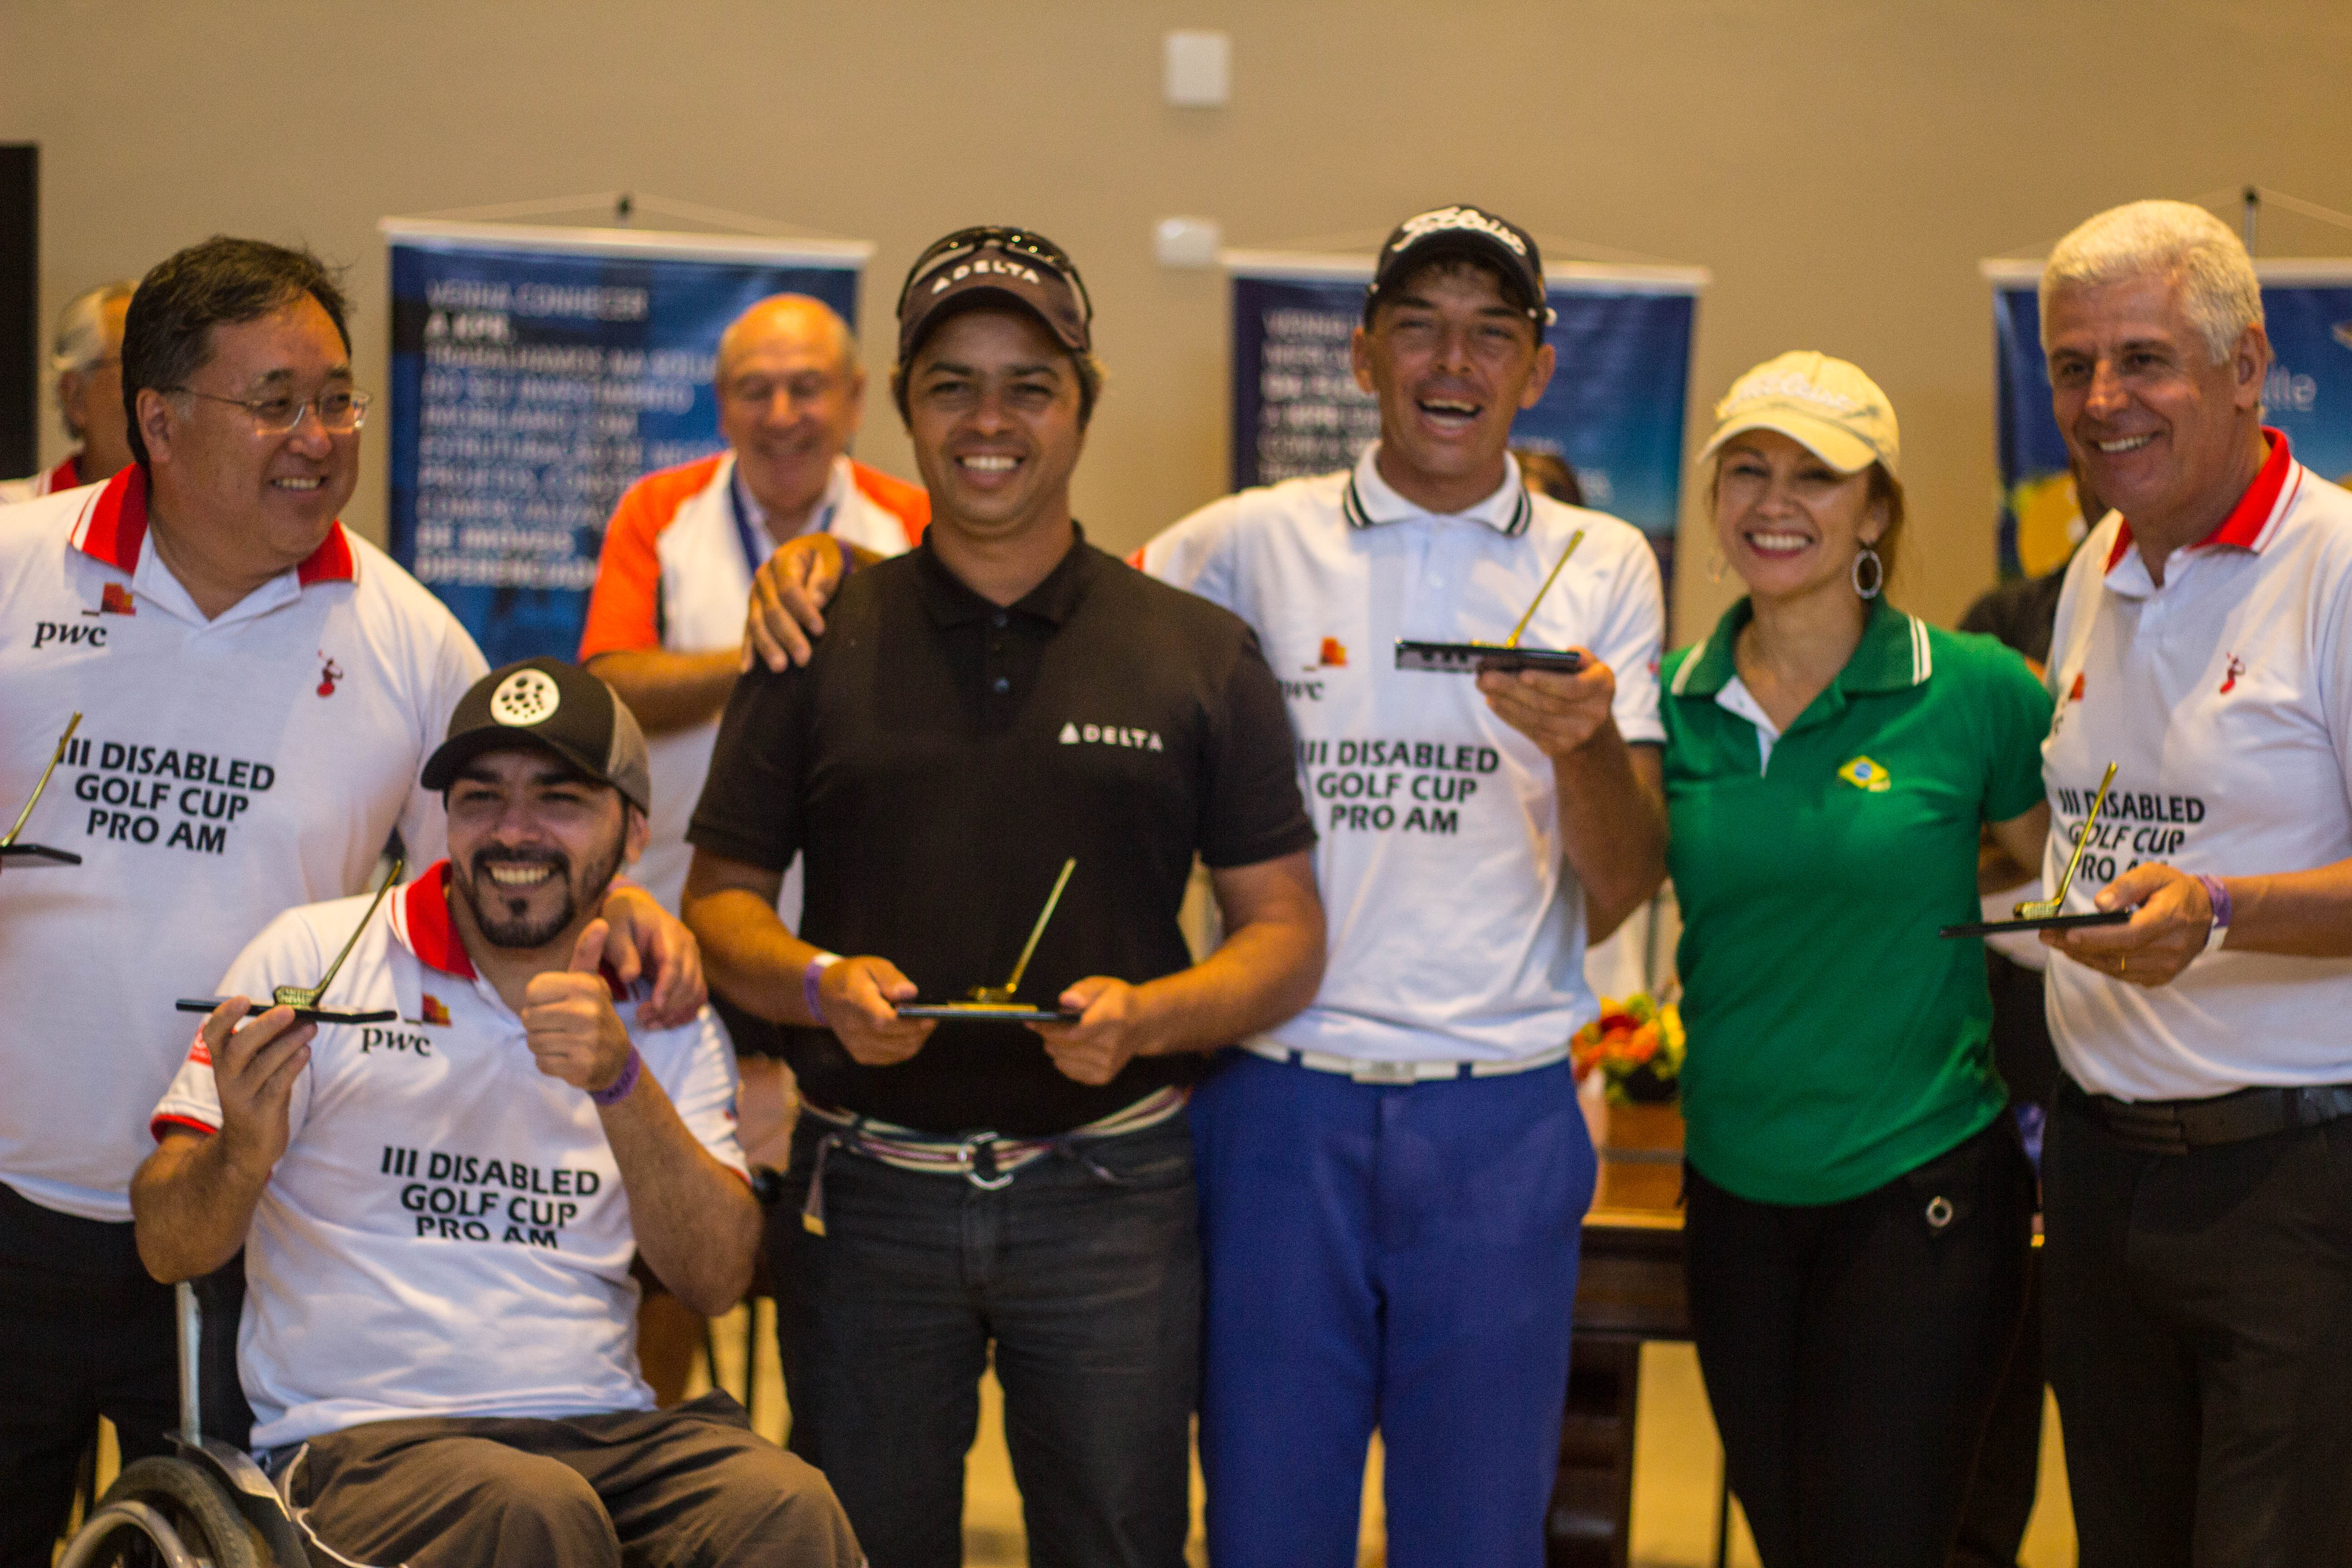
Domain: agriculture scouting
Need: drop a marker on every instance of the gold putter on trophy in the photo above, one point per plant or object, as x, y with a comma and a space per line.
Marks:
1476, 658
304, 999
2042, 914
994, 1004
12, 850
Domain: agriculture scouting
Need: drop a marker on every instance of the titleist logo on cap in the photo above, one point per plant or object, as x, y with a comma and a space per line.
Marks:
1456, 218
1790, 384
963, 269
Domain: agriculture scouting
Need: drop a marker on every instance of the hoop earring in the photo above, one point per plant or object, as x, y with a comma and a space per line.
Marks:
1877, 573
1715, 565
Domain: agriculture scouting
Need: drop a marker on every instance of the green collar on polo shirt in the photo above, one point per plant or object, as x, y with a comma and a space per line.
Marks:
1892, 655
115, 526
1369, 500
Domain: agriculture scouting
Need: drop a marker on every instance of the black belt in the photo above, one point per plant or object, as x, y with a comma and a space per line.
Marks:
2177, 1126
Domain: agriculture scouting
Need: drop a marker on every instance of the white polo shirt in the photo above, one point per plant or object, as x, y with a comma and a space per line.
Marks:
223, 771
1456, 927
65, 476
447, 1233
2225, 697
676, 572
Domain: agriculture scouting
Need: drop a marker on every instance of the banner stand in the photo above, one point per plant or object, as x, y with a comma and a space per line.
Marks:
538, 371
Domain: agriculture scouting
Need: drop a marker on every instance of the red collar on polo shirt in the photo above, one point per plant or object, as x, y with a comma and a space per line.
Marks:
433, 933
117, 526
65, 476
2243, 527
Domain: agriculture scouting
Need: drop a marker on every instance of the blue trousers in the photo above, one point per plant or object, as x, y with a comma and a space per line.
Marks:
1399, 1257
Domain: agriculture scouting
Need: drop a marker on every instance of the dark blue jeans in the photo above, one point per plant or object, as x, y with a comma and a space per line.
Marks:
1088, 1287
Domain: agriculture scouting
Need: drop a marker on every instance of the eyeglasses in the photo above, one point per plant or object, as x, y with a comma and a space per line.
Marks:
1020, 241
340, 410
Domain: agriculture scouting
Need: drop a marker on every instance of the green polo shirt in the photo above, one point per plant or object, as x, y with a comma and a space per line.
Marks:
1836, 1041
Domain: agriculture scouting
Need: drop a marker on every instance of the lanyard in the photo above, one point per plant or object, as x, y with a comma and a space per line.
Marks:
747, 536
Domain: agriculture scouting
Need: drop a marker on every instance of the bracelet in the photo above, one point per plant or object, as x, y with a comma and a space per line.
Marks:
2217, 896
848, 559
618, 1090
817, 966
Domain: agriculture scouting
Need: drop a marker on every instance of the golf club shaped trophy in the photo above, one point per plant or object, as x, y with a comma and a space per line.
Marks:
1476, 658
994, 1004
304, 999
2042, 914
39, 854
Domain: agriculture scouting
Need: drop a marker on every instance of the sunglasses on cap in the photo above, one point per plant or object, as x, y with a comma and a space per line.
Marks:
972, 241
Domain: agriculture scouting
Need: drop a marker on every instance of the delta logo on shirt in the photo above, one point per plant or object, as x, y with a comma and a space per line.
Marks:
1074, 735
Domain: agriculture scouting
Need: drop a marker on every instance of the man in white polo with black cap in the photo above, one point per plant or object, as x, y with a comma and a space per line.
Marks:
2197, 1180
1392, 1182
439, 1185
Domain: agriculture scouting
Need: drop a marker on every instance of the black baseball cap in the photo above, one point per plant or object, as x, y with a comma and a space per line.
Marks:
1465, 230
557, 706
995, 263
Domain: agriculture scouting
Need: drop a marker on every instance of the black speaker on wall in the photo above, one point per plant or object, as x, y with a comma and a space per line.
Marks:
20, 305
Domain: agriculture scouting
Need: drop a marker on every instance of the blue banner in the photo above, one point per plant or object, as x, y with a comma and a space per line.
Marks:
2308, 307
1613, 411
537, 373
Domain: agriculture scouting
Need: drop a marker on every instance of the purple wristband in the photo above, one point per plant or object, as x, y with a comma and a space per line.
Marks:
618, 1090
2218, 897
816, 967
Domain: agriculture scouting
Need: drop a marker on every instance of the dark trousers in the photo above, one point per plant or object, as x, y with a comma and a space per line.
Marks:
691, 1486
2199, 1326
1083, 1273
1851, 1350
84, 1332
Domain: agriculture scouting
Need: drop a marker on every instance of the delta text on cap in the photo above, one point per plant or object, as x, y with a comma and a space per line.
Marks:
1004, 263
548, 703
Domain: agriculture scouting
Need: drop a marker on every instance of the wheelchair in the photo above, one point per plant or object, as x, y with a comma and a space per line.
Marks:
209, 1505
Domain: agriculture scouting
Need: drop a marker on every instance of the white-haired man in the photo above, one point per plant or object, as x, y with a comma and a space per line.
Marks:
666, 620
2198, 1169
87, 360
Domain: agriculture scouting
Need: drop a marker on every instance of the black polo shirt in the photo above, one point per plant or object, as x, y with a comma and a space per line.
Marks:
938, 758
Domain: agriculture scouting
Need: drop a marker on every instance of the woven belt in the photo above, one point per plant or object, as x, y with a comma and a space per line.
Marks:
1364, 1071
986, 1160
2177, 1126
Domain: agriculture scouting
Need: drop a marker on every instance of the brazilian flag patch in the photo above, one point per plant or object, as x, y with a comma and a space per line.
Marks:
1866, 774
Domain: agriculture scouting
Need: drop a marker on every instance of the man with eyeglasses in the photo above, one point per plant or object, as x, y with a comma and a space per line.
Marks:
1003, 719
256, 690
87, 360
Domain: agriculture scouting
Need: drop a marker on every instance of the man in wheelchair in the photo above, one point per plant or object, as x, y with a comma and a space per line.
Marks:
438, 1206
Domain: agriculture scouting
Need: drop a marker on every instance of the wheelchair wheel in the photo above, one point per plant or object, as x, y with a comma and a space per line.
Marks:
207, 1523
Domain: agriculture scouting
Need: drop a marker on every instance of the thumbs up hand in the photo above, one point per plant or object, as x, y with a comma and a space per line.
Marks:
567, 1018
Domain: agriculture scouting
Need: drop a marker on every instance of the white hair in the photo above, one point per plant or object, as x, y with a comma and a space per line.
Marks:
2199, 251
81, 337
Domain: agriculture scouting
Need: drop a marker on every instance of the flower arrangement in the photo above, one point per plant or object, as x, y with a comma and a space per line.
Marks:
1638, 1046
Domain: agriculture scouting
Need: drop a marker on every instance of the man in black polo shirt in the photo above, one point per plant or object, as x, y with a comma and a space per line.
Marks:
997, 701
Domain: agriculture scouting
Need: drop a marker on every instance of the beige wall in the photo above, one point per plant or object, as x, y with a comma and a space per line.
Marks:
1839, 165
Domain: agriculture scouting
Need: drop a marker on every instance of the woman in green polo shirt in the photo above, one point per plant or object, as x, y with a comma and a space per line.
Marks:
1859, 1205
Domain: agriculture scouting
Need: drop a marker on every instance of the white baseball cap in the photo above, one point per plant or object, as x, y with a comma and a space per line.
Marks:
1826, 405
